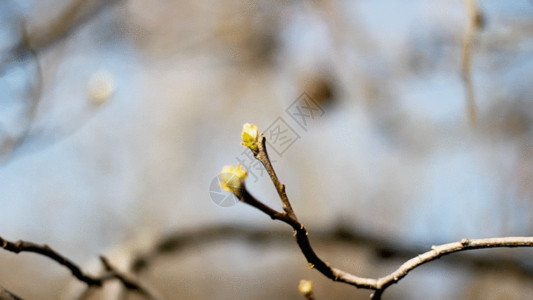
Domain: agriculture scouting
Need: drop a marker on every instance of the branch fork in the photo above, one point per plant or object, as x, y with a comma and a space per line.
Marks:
378, 285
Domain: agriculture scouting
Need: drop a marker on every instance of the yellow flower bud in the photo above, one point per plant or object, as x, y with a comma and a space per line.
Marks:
305, 287
249, 136
232, 178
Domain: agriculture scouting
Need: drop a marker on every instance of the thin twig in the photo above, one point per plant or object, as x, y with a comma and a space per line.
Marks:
474, 23
7, 295
76, 14
45, 250
380, 284
40, 39
26, 51
301, 235
127, 282
445, 249
262, 155
309, 296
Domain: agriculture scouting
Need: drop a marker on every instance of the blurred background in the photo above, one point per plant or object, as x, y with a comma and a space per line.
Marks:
116, 117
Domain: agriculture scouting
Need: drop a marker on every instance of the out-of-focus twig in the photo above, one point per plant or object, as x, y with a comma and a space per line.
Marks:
7, 295
112, 273
77, 13
384, 248
40, 38
126, 281
26, 51
475, 21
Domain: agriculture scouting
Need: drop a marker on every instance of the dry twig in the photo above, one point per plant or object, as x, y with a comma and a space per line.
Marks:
475, 22
33, 42
112, 273
7, 295
379, 285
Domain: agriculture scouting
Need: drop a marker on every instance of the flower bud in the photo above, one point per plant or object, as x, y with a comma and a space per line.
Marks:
306, 287
232, 178
249, 136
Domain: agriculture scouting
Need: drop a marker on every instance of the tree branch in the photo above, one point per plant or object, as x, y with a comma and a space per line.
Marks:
380, 284
45, 250
474, 23
33, 42
381, 247
262, 155
7, 295
127, 282
445, 249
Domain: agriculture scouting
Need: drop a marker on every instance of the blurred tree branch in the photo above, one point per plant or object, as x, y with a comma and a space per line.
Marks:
36, 39
475, 21
25, 51
74, 15
7, 295
381, 247
112, 273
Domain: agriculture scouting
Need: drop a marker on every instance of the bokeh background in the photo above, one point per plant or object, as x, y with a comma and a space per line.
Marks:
116, 116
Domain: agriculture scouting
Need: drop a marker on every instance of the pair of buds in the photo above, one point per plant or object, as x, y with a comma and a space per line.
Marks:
232, 177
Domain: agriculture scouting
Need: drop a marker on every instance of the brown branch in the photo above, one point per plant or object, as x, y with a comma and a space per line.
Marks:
380, 284
475, 22
301, 235
383, 248
45, 250
445, 249
7, 295
127, 282
262, 155
309, 296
